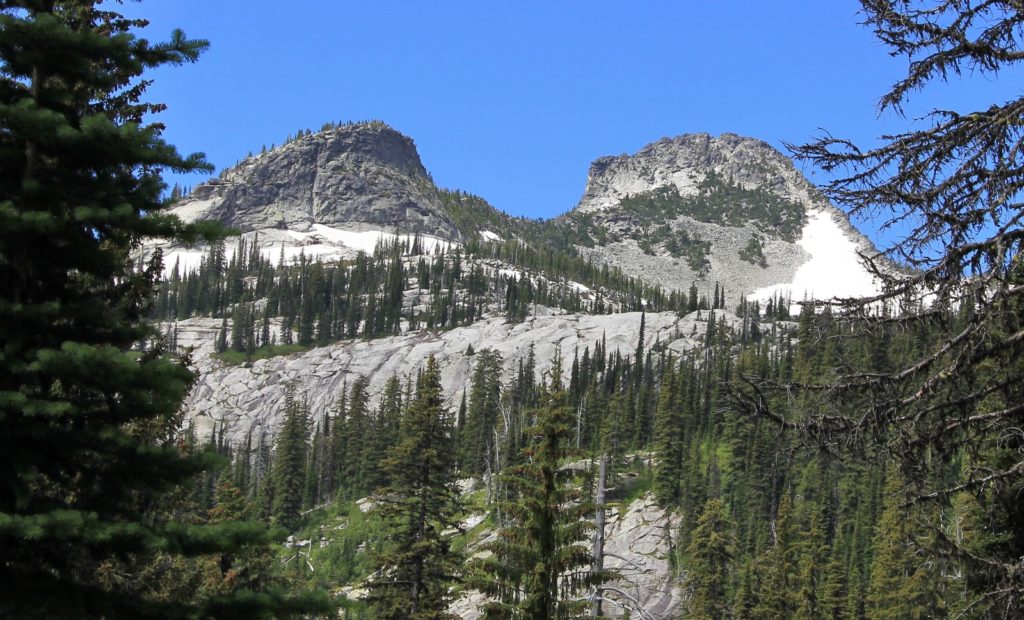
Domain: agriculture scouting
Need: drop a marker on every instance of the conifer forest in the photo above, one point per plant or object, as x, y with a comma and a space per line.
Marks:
693, 451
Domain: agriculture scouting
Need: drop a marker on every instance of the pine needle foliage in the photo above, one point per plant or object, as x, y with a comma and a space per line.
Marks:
86, 412
419, 508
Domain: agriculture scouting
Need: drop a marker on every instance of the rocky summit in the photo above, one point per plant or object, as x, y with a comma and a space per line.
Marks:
731, 209
352, 176
684, 161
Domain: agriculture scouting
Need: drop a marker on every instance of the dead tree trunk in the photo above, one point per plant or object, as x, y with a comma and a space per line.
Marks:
598, 561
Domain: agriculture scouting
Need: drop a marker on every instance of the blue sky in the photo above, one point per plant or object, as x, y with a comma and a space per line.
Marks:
513, 100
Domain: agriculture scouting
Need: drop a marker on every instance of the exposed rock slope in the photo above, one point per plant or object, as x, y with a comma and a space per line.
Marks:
352, 176
701, 209
251, 398
684, 161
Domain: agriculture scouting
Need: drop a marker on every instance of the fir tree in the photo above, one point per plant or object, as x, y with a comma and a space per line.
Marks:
540, 565
417, 566
86, 417
669, 433
289, 471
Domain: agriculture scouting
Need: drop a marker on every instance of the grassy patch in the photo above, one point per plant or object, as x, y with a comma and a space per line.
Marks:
237, 358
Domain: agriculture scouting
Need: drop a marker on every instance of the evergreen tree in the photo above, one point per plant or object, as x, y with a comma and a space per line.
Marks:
289, 471
710, 556
483, 413
417, 566
778, 569
901, 584
540, 565
385, 433
669, 433
87, 419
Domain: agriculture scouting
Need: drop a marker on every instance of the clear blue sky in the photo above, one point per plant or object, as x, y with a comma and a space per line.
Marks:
513, 100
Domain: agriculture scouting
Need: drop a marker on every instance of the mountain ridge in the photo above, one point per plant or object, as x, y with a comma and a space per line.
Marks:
693, 209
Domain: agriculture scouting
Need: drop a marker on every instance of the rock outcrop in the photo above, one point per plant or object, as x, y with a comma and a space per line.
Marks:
682, 166
250, 399
684, 161
353, 176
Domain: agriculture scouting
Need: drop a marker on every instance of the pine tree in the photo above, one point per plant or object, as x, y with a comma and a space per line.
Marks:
708, 568
86, 417
417, 566
540, 565
289, 471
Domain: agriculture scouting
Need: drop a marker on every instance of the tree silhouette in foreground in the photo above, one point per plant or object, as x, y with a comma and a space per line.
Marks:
951, 413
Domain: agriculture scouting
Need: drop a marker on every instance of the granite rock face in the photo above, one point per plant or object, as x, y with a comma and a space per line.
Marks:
685, 160
353, 176
251, 399
682, 164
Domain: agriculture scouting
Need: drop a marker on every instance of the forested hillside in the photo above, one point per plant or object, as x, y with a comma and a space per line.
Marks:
375, 399
771, 525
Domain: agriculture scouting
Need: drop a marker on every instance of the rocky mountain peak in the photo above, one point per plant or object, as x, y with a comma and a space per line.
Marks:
698, 209
684, 161
364, 175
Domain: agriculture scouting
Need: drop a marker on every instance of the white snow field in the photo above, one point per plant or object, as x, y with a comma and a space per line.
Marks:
325, 242
834, 270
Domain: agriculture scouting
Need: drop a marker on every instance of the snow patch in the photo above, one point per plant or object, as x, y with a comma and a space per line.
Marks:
490, 236
324, 242
834, 270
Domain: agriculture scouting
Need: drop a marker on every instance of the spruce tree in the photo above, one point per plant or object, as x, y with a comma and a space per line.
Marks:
86, 417
416, 566
539, 564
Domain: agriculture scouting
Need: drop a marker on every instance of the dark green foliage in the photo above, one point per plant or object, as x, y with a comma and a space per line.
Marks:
720, 201
416, 565
89, 397
902, 583
539, 564
289, 471
365, 297
709, 563
477, 437
669, 432
939, 405
753, 252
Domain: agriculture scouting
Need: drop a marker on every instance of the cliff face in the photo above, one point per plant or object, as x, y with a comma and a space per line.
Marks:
250, 399
354, 176
684, 161
698, 209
